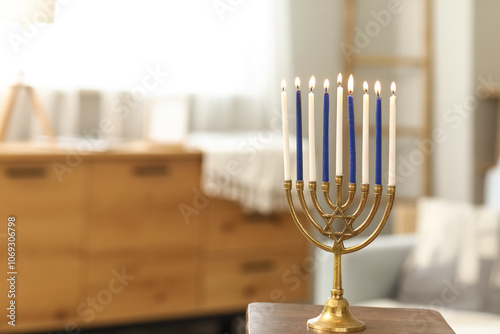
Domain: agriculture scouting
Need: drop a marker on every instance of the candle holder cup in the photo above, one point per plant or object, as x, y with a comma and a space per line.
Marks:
336, 316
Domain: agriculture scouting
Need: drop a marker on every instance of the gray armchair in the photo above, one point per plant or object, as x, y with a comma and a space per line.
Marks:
371, 273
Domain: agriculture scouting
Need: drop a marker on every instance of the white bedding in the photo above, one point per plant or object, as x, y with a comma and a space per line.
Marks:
246, 168
462, 322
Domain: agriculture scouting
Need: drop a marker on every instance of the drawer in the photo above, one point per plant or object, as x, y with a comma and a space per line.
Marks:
147, 185
232, 284
47, 288
129, 230
137, 206
228, 228
49, 213
35, 187
150, 286
49, 233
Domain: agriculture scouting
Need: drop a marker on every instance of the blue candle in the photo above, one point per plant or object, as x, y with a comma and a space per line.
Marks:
326, 111
299, 131
352, 136
378, 136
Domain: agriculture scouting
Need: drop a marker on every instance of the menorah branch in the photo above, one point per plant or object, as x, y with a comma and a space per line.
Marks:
391, 191
288, 190
376, 202
325, 187
300, 193
365, 188
352, 192
314, 197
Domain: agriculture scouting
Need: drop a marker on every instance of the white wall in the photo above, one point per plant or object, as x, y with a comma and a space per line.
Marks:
316, 32
454, 101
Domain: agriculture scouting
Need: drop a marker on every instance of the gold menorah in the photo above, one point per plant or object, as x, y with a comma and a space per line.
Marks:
336, 316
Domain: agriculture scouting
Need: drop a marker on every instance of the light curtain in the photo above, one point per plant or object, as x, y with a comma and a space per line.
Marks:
224, 55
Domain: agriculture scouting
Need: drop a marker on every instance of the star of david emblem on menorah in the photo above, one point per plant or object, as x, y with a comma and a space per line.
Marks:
336, 316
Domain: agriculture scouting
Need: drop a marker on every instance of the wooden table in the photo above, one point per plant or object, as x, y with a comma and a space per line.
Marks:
276, 318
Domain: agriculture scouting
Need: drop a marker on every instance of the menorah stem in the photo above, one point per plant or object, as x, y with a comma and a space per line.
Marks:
336, 316
337, 291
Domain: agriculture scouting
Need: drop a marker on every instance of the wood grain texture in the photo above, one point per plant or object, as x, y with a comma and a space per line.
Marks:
48, 290
50, 213
119, 210
27, 151
155, 286
233, 283
228, 229
275, 318
140, 201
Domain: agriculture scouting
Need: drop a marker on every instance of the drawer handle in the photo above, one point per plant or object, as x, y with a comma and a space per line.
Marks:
257, 266
147, 171
26, 172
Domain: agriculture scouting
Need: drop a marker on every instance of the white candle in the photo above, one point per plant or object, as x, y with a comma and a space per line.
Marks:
392, 137
312, 142
365, 177
286, 144
340, 106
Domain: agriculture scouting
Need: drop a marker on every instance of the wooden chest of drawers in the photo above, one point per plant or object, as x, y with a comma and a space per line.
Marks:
105, 241
49, 229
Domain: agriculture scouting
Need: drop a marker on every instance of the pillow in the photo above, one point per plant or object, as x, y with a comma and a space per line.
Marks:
455, 262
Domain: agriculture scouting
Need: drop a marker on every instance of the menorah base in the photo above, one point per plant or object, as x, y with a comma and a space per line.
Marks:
336, 317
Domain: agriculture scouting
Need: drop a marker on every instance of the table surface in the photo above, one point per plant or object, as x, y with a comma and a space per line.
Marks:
276, 318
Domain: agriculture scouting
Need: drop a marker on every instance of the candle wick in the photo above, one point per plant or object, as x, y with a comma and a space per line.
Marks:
326, 90
378, 94
366, 91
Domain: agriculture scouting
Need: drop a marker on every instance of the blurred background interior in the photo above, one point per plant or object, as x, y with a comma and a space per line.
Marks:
141, 156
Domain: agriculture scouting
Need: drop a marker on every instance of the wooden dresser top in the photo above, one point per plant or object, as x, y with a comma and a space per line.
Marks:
19, 151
